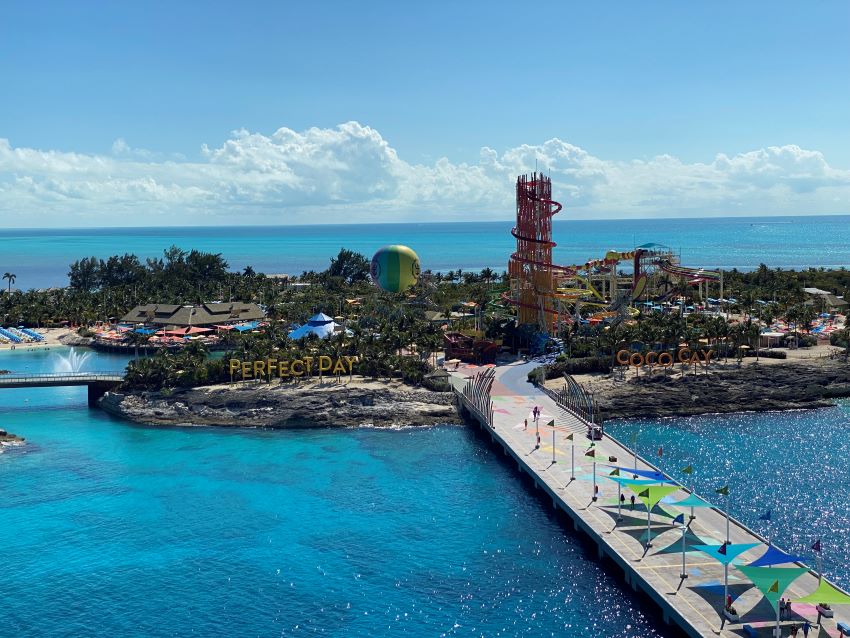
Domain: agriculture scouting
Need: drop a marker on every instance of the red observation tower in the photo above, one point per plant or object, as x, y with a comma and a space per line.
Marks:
531, 270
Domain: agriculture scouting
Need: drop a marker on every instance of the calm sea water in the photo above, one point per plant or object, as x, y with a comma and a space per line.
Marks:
40, 258
793, 463
110, 529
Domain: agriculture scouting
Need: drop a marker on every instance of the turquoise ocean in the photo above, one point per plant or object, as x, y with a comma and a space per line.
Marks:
40, 258
111, 529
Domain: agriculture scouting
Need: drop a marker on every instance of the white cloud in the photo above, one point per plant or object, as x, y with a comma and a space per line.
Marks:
350, 173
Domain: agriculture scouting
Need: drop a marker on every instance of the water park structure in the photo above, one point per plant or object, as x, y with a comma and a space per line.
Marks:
547, 295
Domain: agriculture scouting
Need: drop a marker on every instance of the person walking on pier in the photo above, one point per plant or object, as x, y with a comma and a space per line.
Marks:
806, 627
525, 426
633, 501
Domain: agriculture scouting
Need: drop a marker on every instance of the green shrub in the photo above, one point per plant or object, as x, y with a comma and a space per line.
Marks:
767, 354
580, 365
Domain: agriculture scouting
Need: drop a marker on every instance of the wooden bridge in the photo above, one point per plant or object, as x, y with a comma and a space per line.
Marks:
98, 383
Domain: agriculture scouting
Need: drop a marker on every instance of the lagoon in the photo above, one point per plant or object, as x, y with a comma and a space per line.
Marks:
114, 529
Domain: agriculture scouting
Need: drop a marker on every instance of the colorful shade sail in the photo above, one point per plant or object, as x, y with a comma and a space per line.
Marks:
825, 593
691, 500
628, 482
651, 494
775, 556
772, 581
650, 474
727, 555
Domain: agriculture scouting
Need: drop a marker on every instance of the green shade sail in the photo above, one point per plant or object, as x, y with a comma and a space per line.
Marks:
651, 494
772, 581
825, 593
731, 552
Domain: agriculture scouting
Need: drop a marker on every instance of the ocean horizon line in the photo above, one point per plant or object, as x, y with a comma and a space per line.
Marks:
732, 218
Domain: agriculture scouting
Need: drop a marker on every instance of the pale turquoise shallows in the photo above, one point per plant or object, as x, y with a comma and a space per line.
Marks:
110, 529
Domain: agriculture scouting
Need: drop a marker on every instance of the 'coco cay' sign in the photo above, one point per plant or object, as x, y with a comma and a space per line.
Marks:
663, 359
267, 368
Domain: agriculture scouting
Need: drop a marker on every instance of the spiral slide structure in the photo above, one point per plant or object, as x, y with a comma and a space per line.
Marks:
530, 267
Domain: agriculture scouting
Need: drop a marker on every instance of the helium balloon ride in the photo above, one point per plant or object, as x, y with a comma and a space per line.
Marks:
395, 268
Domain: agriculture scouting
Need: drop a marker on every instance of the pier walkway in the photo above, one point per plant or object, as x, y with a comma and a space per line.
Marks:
694, 604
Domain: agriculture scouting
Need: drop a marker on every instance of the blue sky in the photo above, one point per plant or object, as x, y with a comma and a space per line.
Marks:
149, 85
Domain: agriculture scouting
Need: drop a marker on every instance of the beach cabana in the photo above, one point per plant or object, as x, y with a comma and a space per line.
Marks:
319, 324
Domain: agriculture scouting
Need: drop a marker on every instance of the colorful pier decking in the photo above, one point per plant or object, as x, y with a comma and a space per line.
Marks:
694, 604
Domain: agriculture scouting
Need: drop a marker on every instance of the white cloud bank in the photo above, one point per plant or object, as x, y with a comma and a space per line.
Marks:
350, 174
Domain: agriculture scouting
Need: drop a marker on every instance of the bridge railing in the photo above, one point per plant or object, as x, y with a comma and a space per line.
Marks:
62, 376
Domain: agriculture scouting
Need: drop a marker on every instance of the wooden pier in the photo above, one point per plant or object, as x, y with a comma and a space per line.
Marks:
501, 400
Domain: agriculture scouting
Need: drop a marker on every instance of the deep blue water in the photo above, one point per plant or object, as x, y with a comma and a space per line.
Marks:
110, 529
40, 258
795, 463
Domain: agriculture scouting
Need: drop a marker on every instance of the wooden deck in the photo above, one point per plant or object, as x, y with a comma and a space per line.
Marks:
695, 604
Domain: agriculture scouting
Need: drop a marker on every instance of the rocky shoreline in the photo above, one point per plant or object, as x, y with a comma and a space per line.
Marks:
753, 388
308, 405
7, 439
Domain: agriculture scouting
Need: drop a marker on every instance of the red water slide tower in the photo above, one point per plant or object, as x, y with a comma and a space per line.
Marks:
531, 271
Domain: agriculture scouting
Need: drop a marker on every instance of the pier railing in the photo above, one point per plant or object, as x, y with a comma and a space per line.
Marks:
476, 395
576, 400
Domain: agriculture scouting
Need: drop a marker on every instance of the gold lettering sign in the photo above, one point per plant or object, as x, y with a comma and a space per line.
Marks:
665, 359
306, 366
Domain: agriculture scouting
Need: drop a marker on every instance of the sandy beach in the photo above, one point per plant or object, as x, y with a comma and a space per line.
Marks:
52, 337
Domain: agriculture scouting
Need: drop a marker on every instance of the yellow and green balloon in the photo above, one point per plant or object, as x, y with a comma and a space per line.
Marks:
395, 268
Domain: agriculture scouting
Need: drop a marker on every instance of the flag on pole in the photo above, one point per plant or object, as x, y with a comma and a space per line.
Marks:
774, 588
590, 453
816, 547
680, 520
723, 491
688, 470
551, 423
569, 437
722, 549
616, 472
765, 516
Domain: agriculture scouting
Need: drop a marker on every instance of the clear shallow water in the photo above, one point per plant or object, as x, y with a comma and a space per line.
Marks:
111, 529
40, 258
796, 464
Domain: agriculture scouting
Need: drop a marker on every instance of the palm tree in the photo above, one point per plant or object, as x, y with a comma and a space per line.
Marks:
11, 277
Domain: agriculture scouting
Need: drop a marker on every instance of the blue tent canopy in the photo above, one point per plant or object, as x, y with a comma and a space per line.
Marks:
319, 324
775, 556
247, 326
144, 331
